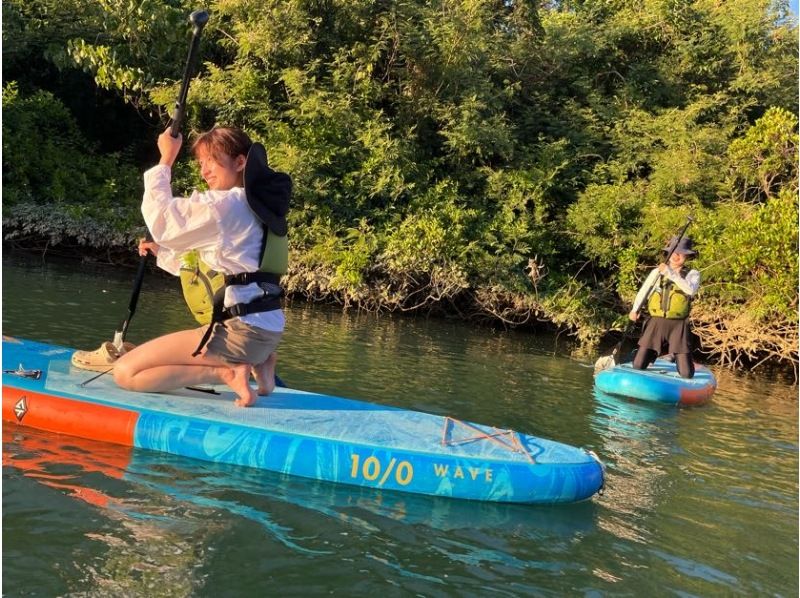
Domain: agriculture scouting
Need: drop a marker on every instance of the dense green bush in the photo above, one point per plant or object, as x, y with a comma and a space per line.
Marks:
514, 161
48, 161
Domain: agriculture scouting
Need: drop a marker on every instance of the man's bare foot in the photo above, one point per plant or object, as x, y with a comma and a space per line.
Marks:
264, 373
238, 378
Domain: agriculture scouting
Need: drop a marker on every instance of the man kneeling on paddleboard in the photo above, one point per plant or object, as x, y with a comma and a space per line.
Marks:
237, 231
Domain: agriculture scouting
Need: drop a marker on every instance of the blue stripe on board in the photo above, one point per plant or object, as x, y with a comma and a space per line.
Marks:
349, 463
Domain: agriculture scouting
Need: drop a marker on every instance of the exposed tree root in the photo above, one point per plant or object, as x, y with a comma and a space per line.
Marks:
736, 339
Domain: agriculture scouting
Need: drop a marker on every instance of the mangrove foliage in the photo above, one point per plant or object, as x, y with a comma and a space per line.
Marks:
516, 162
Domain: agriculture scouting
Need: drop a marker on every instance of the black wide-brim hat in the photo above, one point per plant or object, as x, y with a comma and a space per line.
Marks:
682, 247
268, 192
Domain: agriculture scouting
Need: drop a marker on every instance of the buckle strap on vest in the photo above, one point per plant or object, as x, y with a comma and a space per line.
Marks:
268, 303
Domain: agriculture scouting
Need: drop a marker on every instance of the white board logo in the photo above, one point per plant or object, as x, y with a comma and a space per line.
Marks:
21, 408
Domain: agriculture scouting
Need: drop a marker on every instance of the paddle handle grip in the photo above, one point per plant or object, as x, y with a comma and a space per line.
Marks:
198, 19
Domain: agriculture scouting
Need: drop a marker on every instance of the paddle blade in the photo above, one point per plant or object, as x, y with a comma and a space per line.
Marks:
604, 363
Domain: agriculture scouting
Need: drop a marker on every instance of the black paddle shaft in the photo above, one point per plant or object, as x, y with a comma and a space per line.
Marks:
630, 326
137, 287
198, 19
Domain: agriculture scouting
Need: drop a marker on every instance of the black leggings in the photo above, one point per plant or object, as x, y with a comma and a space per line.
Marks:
644, 357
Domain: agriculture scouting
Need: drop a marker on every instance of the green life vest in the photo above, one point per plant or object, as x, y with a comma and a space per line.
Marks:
201, 284
668, 301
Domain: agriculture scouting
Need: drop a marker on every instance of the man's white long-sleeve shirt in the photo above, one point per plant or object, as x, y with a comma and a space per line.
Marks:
219, 225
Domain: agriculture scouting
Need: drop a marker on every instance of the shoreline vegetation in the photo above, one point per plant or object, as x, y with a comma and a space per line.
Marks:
733, 340
514, 164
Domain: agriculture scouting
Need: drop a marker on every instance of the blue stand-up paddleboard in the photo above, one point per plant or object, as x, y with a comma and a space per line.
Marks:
659, 383
298, 433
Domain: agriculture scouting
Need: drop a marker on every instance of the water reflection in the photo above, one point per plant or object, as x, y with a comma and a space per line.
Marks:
161, 505
637, 437
138, 547
681, 481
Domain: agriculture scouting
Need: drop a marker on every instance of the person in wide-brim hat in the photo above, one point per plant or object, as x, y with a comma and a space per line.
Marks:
667, 294
682, 246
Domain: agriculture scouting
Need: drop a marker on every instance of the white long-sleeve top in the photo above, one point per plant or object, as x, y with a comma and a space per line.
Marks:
219, 225
689, 285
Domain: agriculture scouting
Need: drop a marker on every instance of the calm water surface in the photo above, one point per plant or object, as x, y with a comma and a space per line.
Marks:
699, 502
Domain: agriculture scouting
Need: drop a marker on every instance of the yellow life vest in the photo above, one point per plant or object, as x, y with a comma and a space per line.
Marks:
201, 284
668, 301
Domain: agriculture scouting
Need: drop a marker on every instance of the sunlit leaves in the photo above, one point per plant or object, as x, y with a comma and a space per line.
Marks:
531, 154
764, 160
